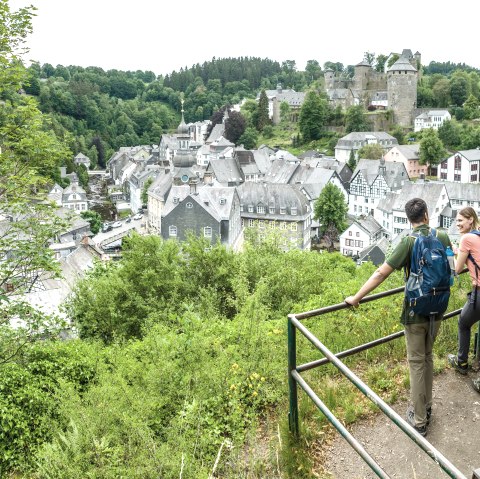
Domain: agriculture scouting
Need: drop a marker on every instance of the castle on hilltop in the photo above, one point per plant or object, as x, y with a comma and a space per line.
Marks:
394, 90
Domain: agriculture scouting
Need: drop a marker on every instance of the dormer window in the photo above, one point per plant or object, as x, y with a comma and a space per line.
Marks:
189, 205
241, 207
176, 199
283, 210
271, 210
293, 210
250, 208
261, 209
223, 201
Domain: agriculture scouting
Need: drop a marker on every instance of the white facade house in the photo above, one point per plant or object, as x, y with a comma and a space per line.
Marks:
390, 213
371, 181
363, 232
461, 167
431, 119
74, 197
358, 139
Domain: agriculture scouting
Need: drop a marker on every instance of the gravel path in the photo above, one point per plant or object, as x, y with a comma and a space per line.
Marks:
454, 432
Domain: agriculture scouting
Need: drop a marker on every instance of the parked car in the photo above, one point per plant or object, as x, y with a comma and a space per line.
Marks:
128, 220
138, 216
117, 224
106, 227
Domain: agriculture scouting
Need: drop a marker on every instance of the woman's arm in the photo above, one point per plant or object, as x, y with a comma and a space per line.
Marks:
460, 261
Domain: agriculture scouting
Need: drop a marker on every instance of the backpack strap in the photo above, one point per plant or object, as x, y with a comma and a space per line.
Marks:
477, 268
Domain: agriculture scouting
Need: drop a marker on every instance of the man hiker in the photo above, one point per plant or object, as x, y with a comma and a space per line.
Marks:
420, 330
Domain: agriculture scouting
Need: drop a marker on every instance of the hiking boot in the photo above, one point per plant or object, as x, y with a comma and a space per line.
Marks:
476, 384
429, 415
422, 430
462, 368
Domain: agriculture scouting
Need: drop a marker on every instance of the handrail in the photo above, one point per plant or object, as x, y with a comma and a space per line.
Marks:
295, 379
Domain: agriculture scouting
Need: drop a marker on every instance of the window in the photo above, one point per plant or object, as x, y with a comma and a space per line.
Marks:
350, 233
443, 176
474, 167
241, 207
207, 232
271, 210
261, 210
283, 211
172, 231
458, 162
189, 205
359, 244
293, 226
223, 201
456, 177
283, 225
250, 208
251, 223
473, 178
293, 210
357, 234
261, 224
271, 224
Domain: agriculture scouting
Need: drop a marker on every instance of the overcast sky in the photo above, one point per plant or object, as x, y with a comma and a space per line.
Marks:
164, 35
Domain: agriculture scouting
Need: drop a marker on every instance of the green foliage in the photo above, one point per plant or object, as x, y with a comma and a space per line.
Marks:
371, 152
262, 117
94, 219
432, 151
313, 117
330, 209
356, 119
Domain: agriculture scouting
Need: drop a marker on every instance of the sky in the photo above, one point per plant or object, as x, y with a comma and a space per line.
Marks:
164, 35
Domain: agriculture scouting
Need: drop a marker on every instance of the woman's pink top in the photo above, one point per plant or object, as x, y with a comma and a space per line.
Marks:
470, 243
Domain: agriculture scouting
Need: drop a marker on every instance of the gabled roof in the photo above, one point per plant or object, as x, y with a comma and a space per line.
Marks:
280, 171
409, 152
225, 170
462, 191
470, 155
368, 224
395, 172
430, 192
217, 131
375, 253
360, 136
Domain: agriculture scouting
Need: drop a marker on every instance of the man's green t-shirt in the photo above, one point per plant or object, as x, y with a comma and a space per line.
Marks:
400, 258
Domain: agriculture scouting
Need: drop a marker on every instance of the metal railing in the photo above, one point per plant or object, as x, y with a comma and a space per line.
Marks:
295, 379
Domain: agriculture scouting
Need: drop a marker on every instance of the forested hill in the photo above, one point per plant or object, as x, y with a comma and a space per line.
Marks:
99, 111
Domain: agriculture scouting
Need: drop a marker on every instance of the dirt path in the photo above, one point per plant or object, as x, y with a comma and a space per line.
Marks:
454, 431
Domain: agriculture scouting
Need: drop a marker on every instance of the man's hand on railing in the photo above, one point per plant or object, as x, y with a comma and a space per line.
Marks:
352, 301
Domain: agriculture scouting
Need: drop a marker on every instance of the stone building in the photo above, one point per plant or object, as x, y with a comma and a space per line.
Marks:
395, 89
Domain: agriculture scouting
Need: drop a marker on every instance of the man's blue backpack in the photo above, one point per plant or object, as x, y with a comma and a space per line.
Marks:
428, 285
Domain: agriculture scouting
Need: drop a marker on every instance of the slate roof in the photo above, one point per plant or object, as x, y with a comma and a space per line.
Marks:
217, 131
375, 253
226, 170
347, 141
428, 191
409, 152
462, 191
470, 155
274, 195
395, 172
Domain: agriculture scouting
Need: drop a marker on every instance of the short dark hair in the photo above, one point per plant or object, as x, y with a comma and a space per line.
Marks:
416, 209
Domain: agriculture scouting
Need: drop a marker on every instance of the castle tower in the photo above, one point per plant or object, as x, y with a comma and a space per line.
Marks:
402, 78
363, 71
329, 77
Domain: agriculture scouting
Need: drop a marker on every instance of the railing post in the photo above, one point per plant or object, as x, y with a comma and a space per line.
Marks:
477, 347
292, 384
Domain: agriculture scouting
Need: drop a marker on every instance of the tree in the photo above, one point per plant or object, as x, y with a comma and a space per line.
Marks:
449, 133
330, 209
94, 219
262, 118
352, 163
30, 155
313, 70
313, 116
380, 63
431, 151
249, 138
144, 194
235, 126
371, 152
356, 120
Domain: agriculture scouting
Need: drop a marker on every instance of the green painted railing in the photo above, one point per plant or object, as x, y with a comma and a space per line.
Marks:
295, 379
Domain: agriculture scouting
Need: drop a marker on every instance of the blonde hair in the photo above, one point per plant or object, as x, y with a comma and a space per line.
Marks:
469, 213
